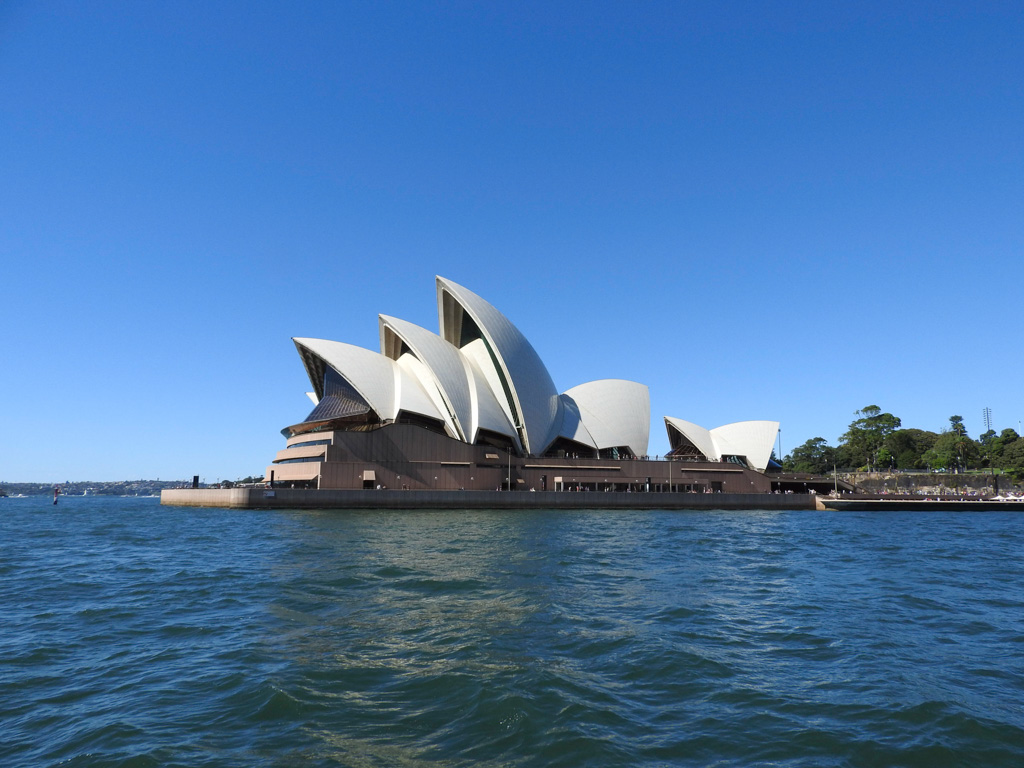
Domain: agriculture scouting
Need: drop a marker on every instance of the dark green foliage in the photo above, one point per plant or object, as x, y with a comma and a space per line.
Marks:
953, 450
814, 456
863, 441
908, 446
875, 440
1012, 459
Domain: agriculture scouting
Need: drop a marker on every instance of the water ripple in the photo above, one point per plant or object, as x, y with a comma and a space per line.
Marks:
136, 635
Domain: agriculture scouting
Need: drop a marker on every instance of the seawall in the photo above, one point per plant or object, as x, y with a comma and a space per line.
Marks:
947, 504
931, 483
288, 498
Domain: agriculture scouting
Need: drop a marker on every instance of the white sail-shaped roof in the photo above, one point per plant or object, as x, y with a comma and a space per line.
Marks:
485, 383
468, 401
573, 427
751, 439
440, 361
700, 437
380, 381
413, 366
525, 382
616, 412
487, 411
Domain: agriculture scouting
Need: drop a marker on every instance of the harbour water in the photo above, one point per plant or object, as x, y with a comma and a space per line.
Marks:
139, 635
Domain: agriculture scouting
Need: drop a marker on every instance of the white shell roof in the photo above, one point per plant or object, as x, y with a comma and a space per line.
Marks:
497, 378
532, 390
753, 439
413, 366
616, 412
700, 437
573, 426
472, 403
487, 410
380, 381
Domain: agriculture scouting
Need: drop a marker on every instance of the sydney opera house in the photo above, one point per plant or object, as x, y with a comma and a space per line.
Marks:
474, 407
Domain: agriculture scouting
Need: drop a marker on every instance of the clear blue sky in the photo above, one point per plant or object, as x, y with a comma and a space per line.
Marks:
761, 210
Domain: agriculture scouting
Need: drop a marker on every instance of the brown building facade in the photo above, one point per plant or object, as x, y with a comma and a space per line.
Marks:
409, 457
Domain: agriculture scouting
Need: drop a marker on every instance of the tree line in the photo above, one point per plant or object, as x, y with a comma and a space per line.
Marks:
878, 441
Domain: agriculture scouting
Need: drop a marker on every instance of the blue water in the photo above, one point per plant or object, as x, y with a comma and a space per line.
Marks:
139, 635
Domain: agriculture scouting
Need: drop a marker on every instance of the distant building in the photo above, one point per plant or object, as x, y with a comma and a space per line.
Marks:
473, 406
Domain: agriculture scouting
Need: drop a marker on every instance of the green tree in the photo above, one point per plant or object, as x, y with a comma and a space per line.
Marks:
997, 446
859, 446
942, 455
884, 458
953, 449
1007, 453
815, 456
1013, 459
985, 446
908, 446
964, 449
